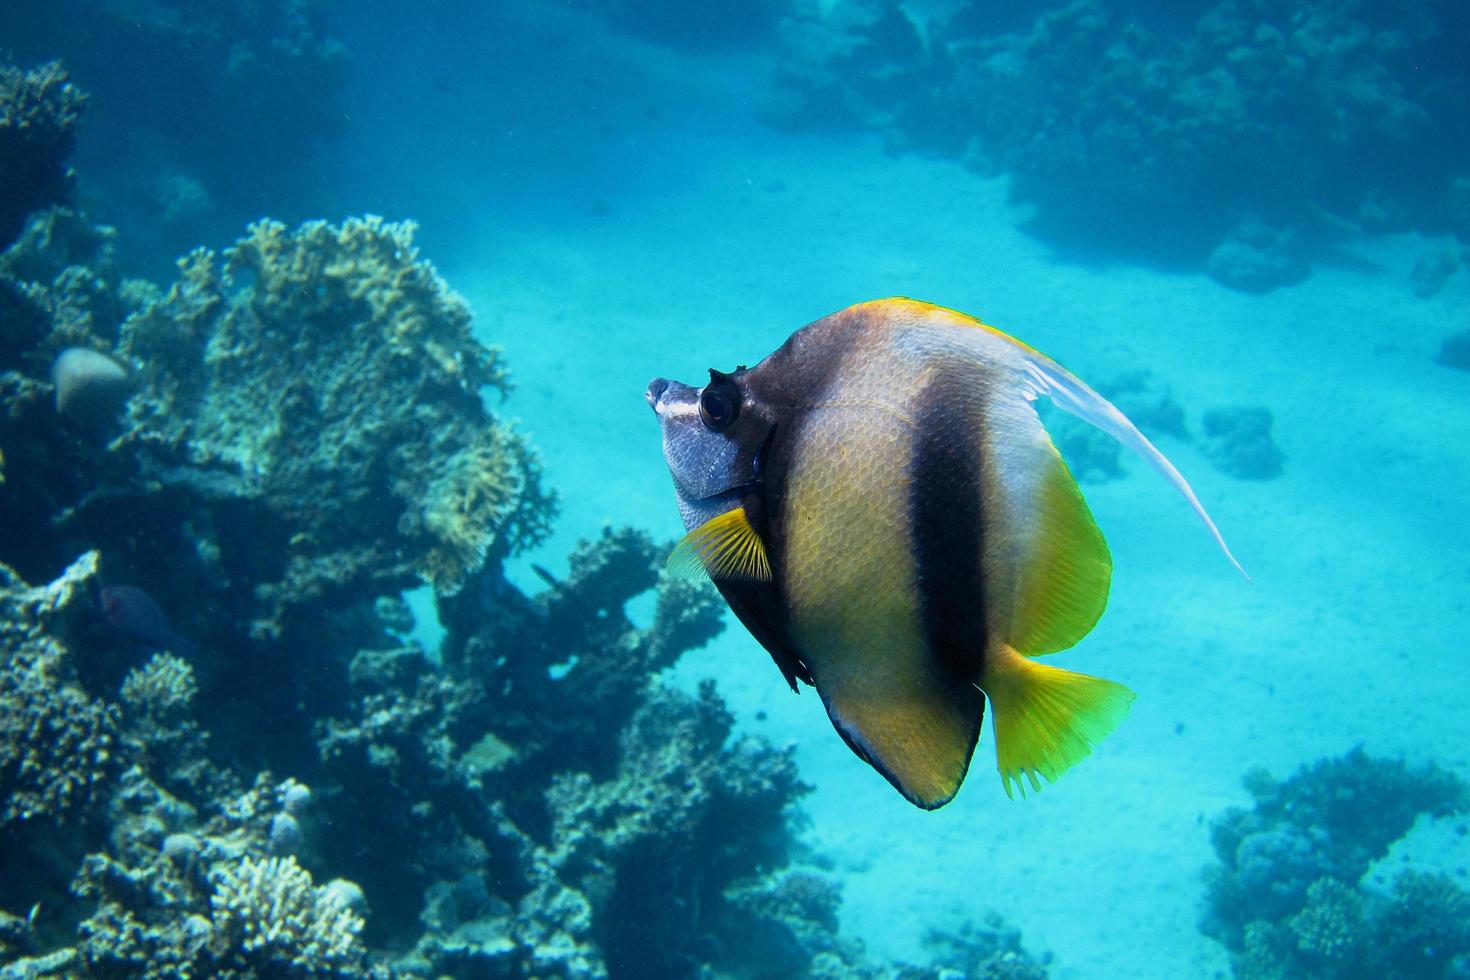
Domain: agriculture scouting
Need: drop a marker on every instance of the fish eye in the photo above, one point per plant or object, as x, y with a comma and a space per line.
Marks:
719, 402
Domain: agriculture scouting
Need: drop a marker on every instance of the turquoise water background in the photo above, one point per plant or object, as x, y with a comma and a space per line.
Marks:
614, 210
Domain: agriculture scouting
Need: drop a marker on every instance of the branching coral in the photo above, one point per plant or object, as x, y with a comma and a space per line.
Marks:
1329, 929
1424, 927
462, 762
160, 690
207, 900
268, 913
549, 681
654, 848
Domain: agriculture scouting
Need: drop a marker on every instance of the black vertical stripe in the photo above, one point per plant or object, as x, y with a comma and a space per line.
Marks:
947, 525
805, 370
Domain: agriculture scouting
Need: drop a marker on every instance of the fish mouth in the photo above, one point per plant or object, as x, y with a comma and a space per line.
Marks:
655, 391
671, 399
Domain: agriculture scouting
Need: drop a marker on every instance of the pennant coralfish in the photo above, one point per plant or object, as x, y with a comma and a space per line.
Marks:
881, 507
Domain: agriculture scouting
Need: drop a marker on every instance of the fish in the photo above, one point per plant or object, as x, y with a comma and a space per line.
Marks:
134, 613
880, 505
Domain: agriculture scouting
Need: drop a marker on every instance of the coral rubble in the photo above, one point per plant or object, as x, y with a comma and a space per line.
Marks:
1287, 898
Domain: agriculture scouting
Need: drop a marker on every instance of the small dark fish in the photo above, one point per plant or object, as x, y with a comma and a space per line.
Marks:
133, 612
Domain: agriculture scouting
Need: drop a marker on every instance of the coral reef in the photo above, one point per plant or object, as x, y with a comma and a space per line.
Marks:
57, 291
186, 97
306, 434
990, 950
1115, 118
1238, 441
60, 748
1454, 351
1255, 258
332, 365
1287, 897
208, 900
38, 117
669, 857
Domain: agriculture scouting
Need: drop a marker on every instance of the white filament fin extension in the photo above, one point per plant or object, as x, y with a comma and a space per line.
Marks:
1072, 395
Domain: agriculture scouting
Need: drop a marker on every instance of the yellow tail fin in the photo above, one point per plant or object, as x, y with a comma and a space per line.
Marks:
1046, 719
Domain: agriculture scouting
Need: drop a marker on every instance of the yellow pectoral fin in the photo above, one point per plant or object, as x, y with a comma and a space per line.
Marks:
724, 547
1047, 719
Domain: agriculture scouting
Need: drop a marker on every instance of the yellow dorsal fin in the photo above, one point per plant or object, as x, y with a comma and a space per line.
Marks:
1062, 584
1046, 719
724, 547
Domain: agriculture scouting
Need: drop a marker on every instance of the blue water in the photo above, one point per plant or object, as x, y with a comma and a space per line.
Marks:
624, 192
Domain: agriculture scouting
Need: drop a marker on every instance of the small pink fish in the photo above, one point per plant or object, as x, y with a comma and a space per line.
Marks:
133, 612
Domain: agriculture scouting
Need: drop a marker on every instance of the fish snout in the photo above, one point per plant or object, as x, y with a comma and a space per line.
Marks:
655, 391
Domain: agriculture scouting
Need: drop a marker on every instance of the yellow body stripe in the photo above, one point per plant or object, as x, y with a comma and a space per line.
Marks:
852, 586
